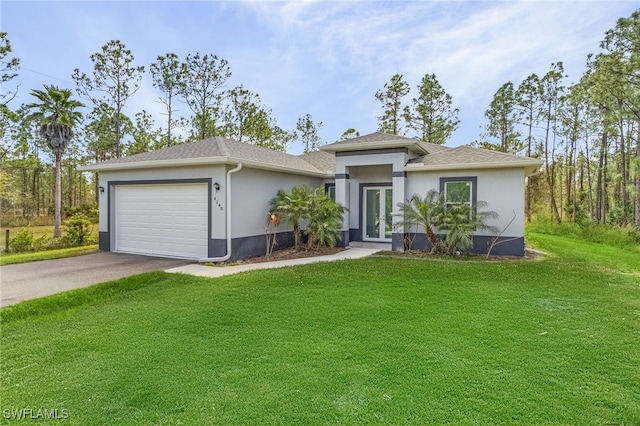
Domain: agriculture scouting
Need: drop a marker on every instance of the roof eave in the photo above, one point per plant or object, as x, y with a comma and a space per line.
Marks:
154, 164
529, 167
198, 161
282, 169
363, 146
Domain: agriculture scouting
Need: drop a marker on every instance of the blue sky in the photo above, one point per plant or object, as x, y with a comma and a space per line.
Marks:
325, 58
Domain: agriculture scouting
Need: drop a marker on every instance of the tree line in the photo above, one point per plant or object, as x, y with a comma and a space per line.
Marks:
106, 132
586, 132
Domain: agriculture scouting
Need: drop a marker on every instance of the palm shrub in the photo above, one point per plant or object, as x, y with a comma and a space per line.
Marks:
325, 220
422, 213
460, 222
303, 203
294, 207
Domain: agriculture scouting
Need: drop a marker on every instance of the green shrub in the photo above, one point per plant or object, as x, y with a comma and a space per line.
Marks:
304, 203
77, 230
325, 220
22, 241
43, 242
89, 210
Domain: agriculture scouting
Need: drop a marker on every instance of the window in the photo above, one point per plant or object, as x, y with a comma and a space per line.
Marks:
330, 189
459, 190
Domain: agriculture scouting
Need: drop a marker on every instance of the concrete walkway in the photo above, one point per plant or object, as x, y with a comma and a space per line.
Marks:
218, 271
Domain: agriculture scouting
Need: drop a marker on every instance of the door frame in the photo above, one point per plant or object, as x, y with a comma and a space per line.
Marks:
111, 199
383, 187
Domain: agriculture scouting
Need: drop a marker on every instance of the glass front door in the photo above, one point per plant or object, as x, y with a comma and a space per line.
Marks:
378, 221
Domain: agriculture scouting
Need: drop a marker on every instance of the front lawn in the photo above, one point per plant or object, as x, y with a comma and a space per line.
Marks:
13, 258
372, 341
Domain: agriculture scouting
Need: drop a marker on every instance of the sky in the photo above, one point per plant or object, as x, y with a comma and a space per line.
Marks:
323, 58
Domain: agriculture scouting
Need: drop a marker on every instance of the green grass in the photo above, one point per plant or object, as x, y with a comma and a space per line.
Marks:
372, 341
38, 231
619, 237
11, 258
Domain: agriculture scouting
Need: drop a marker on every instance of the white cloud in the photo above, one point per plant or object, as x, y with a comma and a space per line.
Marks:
327, 58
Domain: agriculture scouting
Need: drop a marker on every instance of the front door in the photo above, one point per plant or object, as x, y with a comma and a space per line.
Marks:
378, 221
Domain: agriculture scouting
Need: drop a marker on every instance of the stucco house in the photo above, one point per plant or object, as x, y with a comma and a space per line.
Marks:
208, 200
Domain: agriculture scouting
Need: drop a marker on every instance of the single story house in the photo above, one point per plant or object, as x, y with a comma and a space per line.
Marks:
209, 200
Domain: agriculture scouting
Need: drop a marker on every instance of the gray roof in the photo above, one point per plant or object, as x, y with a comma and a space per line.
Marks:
436, 156
379, 140
321, 160
221, 150
470, 155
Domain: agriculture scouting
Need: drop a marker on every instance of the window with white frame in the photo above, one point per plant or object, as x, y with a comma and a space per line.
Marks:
459, 190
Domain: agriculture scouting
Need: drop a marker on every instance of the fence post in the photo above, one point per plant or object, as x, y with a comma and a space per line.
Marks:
6, 241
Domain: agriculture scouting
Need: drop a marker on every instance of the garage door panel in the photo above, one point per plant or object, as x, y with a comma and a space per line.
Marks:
162, 219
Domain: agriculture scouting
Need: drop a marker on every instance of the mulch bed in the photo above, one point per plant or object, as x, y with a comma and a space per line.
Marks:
419, 254
292, 253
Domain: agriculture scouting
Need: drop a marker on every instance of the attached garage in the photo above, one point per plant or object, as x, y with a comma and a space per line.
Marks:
162, 219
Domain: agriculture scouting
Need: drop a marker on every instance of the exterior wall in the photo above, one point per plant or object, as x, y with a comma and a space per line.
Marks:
109, 180
216, 173
357, 169
253, 190
502, 189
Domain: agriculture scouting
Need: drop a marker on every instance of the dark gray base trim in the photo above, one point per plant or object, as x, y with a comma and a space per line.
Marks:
355, 234
344, 241
397, 242
512, 246
104, 241
217, 247
507, 246
243, 247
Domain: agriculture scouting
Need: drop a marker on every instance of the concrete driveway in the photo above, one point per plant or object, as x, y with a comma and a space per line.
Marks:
36, 279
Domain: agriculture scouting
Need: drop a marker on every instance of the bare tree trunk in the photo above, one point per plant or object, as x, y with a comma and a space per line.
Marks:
599, 181
528, 188
638, 182
57, 197
623, 172
589, 179
605, 186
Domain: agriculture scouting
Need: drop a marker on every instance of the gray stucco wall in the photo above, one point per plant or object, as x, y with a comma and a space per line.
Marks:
252, 190
502, 189
215, 172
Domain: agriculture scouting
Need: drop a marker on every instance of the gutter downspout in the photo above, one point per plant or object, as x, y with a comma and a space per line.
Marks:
228, 189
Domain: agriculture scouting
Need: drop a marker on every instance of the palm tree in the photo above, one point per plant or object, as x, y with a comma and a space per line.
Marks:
294, 207
56, 112
422, 212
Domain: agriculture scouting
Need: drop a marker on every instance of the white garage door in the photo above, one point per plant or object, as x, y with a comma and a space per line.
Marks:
162, 219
